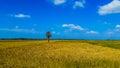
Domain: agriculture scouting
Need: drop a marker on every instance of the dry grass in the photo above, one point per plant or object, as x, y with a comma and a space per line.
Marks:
58, 54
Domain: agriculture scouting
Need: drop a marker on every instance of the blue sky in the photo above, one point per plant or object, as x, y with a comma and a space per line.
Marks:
65, 19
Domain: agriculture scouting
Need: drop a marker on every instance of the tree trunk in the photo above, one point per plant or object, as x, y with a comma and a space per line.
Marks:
48, 40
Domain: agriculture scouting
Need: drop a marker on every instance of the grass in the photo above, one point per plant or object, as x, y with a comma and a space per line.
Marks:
111, 44
59, 54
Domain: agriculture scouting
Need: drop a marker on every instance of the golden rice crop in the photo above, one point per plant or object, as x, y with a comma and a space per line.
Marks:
57, 54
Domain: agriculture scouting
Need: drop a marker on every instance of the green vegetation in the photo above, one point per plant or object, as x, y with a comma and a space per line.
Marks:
59, 54
108, 43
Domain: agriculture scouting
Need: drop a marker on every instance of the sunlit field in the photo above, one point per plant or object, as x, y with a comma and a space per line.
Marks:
59, 54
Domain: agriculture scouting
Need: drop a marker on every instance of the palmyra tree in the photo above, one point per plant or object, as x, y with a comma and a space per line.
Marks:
48, 35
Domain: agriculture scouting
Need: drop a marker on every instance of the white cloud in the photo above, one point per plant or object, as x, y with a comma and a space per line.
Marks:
57, 33
20, 15
107, 23
113, 7
92, 32
110, 32
58, 2
114, 31
16, 29
78, 4
117, 26
72, 26
117, 30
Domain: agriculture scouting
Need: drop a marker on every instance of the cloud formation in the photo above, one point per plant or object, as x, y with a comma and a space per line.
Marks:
110, 8
17, 29
75, 4
72, 26
117, 26
78, 4
20, 15
58, 2
116, 30
56, 33
92, 32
